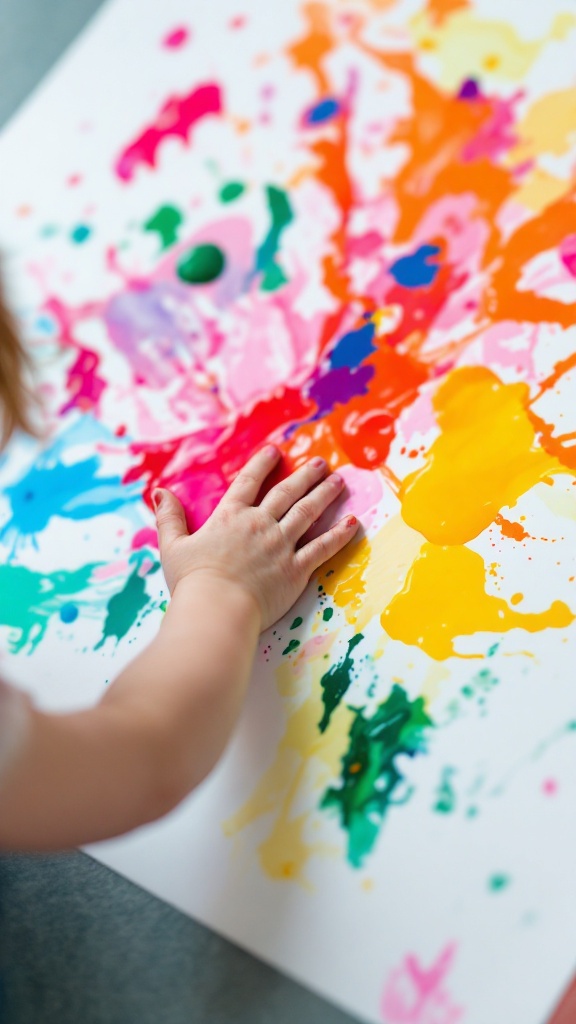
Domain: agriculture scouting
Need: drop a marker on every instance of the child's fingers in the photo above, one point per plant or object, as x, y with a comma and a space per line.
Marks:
170, 517
284, 495
312, 555
246, 485
308, 510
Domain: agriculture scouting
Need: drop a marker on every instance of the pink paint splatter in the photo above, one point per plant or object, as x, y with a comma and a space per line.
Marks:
417, 995
177, 117
146, 537
550, 787
568, 254
176, 38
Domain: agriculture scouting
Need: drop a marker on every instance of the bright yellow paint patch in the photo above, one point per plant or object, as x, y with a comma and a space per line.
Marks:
485, 458
444, 598
366, 575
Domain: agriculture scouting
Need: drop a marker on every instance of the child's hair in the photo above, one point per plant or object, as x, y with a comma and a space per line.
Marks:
15, 363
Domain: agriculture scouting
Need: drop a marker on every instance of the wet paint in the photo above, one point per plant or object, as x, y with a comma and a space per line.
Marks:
281, 216
202, 264
124, 609
29, 599
165, 222
371, 777
336, 681
444, 598
231, 191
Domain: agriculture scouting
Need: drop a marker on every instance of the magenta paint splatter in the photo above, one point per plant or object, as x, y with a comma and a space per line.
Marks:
176, 38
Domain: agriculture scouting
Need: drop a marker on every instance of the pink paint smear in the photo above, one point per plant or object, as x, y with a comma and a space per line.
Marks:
417, 995
177, 117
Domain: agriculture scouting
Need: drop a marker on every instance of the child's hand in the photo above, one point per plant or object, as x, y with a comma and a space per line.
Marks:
255, 547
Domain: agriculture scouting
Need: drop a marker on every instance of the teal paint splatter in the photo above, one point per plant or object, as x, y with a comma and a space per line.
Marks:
292, 646
124, 608
297, 622
203, 264
370, 776
233, 190
81, 233
446, 795
335, 683
281, 215
165, 223
29, 599
497, 883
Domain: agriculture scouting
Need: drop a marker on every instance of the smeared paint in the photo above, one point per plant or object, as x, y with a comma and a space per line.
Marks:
177, 118
371, 777
281, 215
444, 597
418, 995
165, 223
336, 681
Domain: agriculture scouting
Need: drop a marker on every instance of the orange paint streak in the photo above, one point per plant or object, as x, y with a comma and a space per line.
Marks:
440, 10
317, 42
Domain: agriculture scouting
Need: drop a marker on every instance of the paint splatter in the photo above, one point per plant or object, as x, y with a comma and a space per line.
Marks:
29, 599
231, 191
281, 215
165, 222
292, 646
124, 608
371, 780
177, 118
418, 995
203, 264
446, 795
336, 681
176, 38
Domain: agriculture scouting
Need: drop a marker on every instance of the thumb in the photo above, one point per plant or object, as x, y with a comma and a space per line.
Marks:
170, 516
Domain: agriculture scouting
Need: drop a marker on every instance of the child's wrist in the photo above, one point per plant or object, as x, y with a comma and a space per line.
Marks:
225, 595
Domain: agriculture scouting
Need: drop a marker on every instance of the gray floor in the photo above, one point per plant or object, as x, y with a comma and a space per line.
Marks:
78, 944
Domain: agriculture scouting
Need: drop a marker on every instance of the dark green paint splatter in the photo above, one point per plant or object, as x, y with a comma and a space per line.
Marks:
327, 614
165, 222
281, 215
204, 263
231, 191
291, 647
446, 796
370, 775
124, 608
297, 622
335, 683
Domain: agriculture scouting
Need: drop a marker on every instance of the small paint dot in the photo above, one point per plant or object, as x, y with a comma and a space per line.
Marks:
201, 265
68, 613
176, 38
80, 233
550, 787
231, 191
497, 883
297, 622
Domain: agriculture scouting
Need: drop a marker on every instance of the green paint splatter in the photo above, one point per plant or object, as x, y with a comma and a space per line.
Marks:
498, 882
231, 191
165, 222
297, 622
291, 646
327, 614
204, 263
281, 215
335, 682
28, 600
446, 796
370, 775
124, 608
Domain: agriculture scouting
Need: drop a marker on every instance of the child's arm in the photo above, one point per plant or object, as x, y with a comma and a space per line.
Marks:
164, 723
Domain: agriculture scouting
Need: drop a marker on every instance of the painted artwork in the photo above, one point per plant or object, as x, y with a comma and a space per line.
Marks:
347, 227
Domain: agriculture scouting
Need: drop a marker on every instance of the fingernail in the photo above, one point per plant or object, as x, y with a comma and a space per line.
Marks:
336, 479
271, 451
351, 521
156, 498
318, 463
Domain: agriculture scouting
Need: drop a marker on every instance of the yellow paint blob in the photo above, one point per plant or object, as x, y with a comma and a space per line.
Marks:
549, 126
485, 458
444, 598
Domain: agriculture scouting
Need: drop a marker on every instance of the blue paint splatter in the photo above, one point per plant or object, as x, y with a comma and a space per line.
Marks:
417, 270
323, 111
69, 613
353, 348
80, 233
